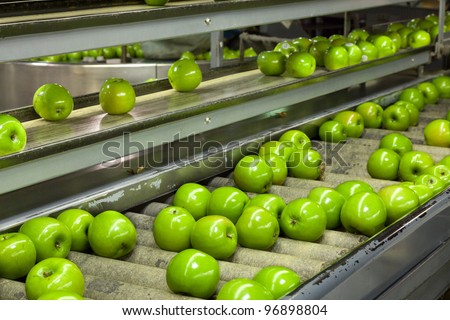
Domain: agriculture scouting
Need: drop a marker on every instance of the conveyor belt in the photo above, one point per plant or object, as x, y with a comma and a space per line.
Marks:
141, 275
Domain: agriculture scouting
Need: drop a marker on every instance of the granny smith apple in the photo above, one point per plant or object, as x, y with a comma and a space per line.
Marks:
437, 133
354, 53
419, 38
109, 52
279, 168
395, 26
397, 142
336, 57
383, 164
283, 149
386, 47
257, 228
396, 39
271, 63
193, 197
300, 64
194, 273
358, 34
413, 111
303, 219
51, 237
365, 213
184, 75
413, 164
332, 131
112, 234
414, 96
429, 91
17, 255
187, 55
369, 50
404, 33
13, 136
351, 187
54, 274
76, 56
60, 295
331, 202
445, 160
353, 122
396, 117
317, 50
278, 279
215, 235
172, 228
442, 83
399, 201
250, 53
117, 96
271, 202
306, 164
441, 171
243, 289
435, 184
302, 43
297, 137
422, 191
253, 174
52, 101
434, 32
227, 201
286, 47
372, 114
78, 221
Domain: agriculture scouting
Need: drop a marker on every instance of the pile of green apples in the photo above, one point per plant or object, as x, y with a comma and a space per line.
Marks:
37, 252
299, 57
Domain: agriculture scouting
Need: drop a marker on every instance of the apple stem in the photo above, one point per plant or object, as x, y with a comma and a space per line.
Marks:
13, 137
47, 274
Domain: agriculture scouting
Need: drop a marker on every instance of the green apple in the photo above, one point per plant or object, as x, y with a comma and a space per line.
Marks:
441, 171
419, 38
184, 75
317, 50
414, 96
13, 136
76, 56
358, 34
60, 295
445, 160
351, 187
399, 201
336, 57
283, 149
434, 32
253, 174
353, 122
172, 228
286, 47
50, 237
397, 142
17, 255
112, 234
297, 137
250, 53
300, 64
257, 228
306, 164
243, 289
54, 274
422, 191
386, 47
396, 117
396, 39
271, 202
430, 92
117, 96
193, 197
227, 201
332, 131
109, 52
404, 32
53, 102
413, 111
331, 202
395, 26
303, 219
435, 184
279, 168
365, 213
278, 279
271, 63
230, 54
354, 53
194, 273
215, 235
78, 221
437, 133
372, 114
369, 50
442, 83
302, 43
413, 164
383, 164
187, 55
